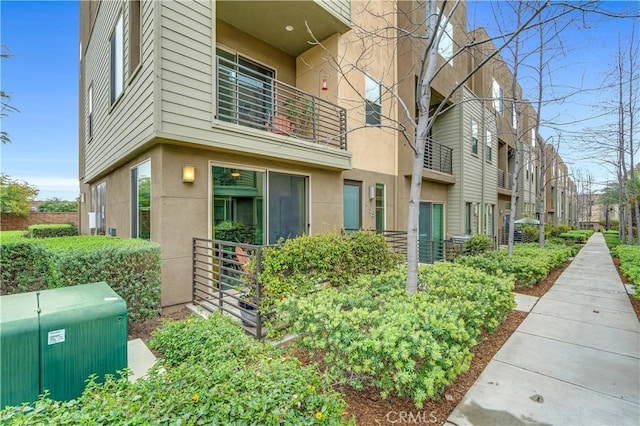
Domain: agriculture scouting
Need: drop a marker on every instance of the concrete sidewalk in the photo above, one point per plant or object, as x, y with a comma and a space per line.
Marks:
575, 360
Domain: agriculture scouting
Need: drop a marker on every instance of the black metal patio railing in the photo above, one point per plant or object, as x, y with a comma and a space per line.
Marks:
254, 99
223, 280
438, 157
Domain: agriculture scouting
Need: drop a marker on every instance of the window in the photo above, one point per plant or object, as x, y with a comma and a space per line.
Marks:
474, 136
245, 93
98, 207
445, 47
269, 205
373, 101
141, 201
489, 220
117, 60
514, 115
497, 95
351, 205
90, 111
467, 219
489, 145
380, 207
533, 137
135, 29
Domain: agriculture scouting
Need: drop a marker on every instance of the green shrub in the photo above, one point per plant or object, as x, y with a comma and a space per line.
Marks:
478, 243
529, 263
7, 237
373, 332
299, 265
130, 266
579, 236
25, 267
629, 261
234, 231
530, 233
49, 231
612, 238
222, 385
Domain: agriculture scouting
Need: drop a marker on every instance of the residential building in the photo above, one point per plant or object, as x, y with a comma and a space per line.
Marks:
196, 113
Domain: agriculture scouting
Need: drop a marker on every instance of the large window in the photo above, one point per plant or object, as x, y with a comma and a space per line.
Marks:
497, 95
489, 145
98, 208
373, 101
117, 60
474, 136
135, 29
352, 204
141, 201
380, 207
268, 205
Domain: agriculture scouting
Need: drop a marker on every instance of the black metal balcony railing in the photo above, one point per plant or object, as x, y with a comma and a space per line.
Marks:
438, 157
253, 99
504, 179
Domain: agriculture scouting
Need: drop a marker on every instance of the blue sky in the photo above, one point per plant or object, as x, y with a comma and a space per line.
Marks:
42, 78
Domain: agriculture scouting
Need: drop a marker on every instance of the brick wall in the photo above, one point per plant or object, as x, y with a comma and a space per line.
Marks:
10, 222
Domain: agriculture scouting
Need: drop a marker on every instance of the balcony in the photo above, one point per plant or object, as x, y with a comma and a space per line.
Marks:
283, 24
438, 157
504, 180
254, 99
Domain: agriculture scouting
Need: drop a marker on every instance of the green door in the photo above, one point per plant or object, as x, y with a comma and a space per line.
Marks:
430, 232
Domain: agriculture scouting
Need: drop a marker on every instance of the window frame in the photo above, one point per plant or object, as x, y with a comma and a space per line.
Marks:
373, 118
90, 112
489, 147
116, 63
135, 199
135, 35
381, 210
498, 97
475, 129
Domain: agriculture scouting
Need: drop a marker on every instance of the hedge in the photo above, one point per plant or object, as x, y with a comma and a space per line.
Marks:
374, 333
130, 266
529, 263
579, 236
612, 238
298, 265
629, 262
210, 372
50, 231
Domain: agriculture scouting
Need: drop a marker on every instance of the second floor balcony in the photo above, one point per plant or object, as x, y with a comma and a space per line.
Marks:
249, 96
504, 180
438, 157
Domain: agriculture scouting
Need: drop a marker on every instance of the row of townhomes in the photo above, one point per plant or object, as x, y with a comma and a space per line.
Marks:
276, 115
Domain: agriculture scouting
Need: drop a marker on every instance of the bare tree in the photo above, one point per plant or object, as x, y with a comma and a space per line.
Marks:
5, 99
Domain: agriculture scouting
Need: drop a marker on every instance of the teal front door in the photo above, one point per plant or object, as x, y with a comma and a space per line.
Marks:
430, 232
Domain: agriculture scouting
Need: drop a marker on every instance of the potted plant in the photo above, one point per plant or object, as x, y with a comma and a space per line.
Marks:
299, 111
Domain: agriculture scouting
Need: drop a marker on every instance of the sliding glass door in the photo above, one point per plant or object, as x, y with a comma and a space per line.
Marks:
262, 206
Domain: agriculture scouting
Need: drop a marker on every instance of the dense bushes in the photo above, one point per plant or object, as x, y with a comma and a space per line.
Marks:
629, 261
298, 265
612, 238
579, 236
214, 374
130, 266
49, 231
529, 263
373, 332
478, 243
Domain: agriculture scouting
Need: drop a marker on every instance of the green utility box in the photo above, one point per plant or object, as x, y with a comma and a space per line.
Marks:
81, 330
19, 351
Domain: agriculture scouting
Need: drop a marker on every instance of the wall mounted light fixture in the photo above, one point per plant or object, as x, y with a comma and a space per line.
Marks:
372, 192
188, 173
235, 173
